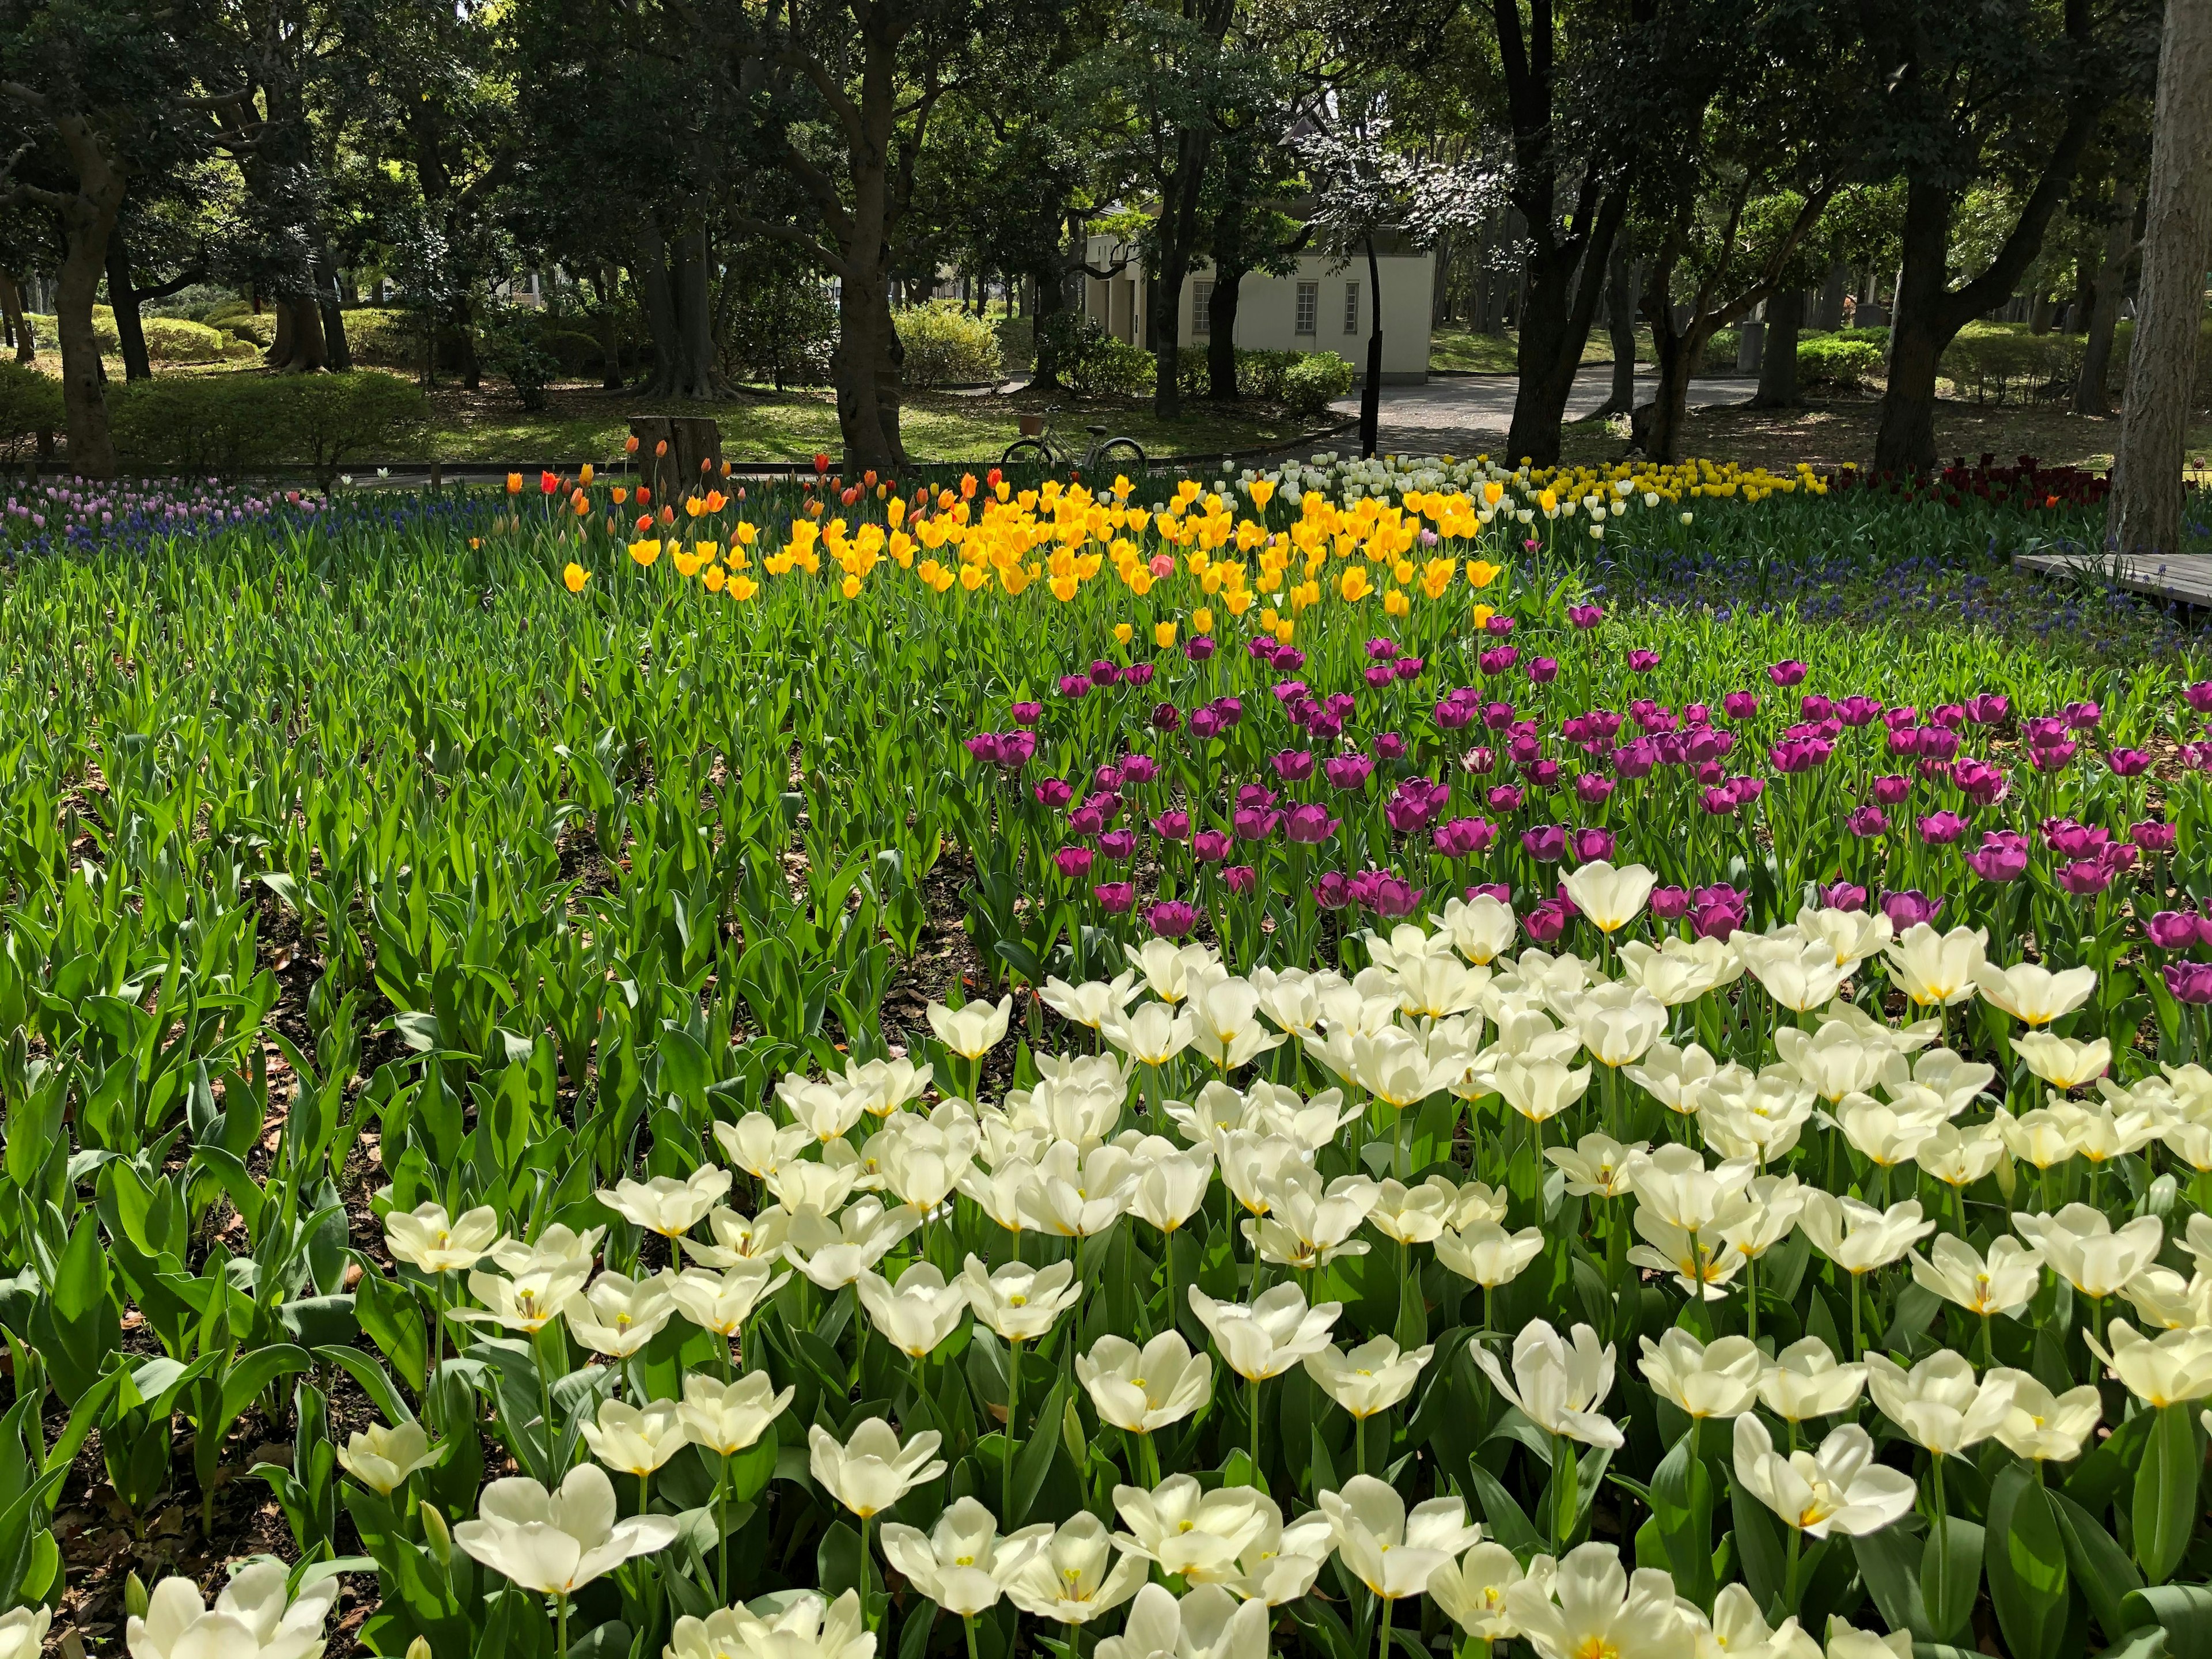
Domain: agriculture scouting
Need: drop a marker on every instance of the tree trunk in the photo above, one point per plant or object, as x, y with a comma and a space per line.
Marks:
1371, 395
1221, 343
1623, 277
1830, 316
1177, 238
692, 374
337, 350
299, 347
657, 296
91, 448
1777, 368
1559, 305
2041, 309
2146, 512
2107, 286
19, 325
2084, 301
1048, 305
123, 300
866, 340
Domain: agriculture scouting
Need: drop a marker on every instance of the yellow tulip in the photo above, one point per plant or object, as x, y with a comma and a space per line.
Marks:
1164, 635
574, 577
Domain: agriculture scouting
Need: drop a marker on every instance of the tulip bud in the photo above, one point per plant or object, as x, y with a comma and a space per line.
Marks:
1071, 1431
134, 1595
437, 1534
418, 1649
2008, 1176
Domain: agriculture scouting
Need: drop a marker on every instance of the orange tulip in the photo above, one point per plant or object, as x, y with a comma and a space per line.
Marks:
643, 494
661, 448
584, 473
514, 483
620, 494
630, 445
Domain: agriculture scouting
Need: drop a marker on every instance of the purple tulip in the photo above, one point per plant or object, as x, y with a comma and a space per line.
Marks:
1054, 793
1171, 918
1719, 802
1340, 705
1941, 829
1542, 670
1546, 922
1988, 708
1108, 776
1239, 879
1199, 648
1787, 673
1172, 826
1506, 798
2128, 762
1206, 723
1643, 662
1103, 672
1746, 790
1333, 892
1347, 771
1498, 716
1293, 765
1585, 616
1254, 795
1497, 624
1982, 783
2174, 930
1635, 760
1670, 903
1949, 715
2001, 857
2198, 695
1074, 685
1140, 769
1842, 895
1137, 673
2084, 877
2075, 841
1591, 788
1796, 754
1116, 898
983, 747
1027, 713
1389, 745
1815, 707
2190, 982
1454, 715
1166, 717
2083, 716
2153, 836
1230, 710
1498, 659
1310, 825
1381, 650
1073, 862
1899, 717
1378, 674
1409, 668
1718, 911
1546, 843
1867, 821
1909, 908
1210, 846
1478, 760
1860, 711
1591, 845
1497, 889
1461, 838
1119, 845
1255, 822
1738, 705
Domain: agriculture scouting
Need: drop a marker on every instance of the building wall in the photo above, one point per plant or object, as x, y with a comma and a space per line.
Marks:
1273, 313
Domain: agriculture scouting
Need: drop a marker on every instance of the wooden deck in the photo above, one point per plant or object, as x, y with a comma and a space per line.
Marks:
2186, 577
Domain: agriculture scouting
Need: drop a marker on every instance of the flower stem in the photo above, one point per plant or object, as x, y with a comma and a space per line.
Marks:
867, 1610
1388, 1606
560, 1624
1013, 1408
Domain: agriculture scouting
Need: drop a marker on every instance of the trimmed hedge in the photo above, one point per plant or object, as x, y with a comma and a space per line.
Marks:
30, 403
229, 423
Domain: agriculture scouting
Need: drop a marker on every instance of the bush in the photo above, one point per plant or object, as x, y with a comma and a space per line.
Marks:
946, 345
1720, 352
30, 403
2003, 362
387, 338
1016, 344
782, 329
178, 340
227, 424
48, 329
1192, 377
1315, 381
194, 304
512, 348
1850, 358
1260, 373
1097, 364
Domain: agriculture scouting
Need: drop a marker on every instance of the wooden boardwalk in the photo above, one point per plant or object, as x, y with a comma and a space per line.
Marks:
2186, 577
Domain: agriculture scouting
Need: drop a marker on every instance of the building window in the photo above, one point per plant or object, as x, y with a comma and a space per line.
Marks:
1201, 308
1351, 307
1309, 307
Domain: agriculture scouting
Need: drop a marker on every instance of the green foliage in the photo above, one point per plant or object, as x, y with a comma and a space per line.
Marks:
177, 340
781, 330
1097, 364
2005, 363
946, 345
383, 337
1846, 358
1315, 381
230, 423
30, 403
512, 347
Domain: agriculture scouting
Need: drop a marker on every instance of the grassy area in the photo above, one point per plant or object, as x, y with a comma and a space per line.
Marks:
1840, 432
1462, 350
585, 423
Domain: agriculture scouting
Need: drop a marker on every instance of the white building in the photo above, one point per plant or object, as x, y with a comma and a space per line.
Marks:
1322, 306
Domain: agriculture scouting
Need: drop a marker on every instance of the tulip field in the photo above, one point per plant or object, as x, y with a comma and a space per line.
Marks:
1303, 1061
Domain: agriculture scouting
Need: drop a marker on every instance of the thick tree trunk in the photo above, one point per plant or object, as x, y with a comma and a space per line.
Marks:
91, 449
685, 364
123, 300
2107, 286
19, 325
1049, 305
1657, 428
299, 347
1777, 368
1560, 302
1221, 343
1370, 394
865, 341
1830, 316
1920, 328
337, 350
1623, 277
2146, 512
2042, 309
656, 295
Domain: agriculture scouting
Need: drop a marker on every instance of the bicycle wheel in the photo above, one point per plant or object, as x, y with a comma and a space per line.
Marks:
1122, 455
1026, 452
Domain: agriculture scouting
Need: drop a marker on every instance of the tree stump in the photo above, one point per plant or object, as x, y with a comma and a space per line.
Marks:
677, 454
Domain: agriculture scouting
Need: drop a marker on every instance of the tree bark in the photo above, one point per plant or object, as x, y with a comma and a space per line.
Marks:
1221, 343
1559, 304
656, 297
2041, 309
1777, 368
2107, 285
2146, 495
1926, 312
123, 300
337, 350
1623, 277
1177, 239
1371, 395
299, 347
1048, 304
87, 215
19, 325
1830, 315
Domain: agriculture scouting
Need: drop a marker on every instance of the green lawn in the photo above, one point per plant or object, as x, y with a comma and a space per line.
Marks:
1462, 349
583, 424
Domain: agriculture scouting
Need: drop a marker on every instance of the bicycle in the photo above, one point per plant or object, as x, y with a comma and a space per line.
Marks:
1037, 446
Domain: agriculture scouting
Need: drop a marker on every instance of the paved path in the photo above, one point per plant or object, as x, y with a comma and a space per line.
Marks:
1466, 415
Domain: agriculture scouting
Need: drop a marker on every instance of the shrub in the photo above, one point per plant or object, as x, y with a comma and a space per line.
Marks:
1260, 373
2003, 362
48, 329
30, 403
1016, 344
1315, 381
387, 338
1720, 352
229, 423
1097, 364
194, 304
512, 348
178, 340
1850, 358
946, 345
782, 329
1192, 377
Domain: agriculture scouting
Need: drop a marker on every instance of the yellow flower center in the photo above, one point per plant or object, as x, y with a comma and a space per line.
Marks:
1596, 1647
